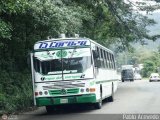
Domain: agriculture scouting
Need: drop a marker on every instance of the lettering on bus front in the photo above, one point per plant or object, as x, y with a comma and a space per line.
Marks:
56, 44
65, 77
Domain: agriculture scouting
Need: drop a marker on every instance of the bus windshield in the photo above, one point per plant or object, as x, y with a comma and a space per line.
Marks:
76, 61
70, 65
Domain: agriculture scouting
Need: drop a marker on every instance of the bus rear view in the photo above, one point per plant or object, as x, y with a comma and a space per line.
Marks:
127, 75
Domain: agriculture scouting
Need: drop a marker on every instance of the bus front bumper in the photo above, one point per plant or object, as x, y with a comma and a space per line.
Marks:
45, 101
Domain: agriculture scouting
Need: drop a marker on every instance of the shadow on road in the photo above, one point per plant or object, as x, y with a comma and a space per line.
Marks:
67, 112
72, 109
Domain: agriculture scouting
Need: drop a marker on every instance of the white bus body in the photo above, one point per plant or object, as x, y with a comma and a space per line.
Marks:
72, 71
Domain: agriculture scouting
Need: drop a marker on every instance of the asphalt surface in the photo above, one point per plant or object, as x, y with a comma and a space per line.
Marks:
131, 100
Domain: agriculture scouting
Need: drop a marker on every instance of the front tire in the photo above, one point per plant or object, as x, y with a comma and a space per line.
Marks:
98, 105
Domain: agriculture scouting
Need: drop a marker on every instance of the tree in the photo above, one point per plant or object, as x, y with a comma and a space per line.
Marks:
149, 67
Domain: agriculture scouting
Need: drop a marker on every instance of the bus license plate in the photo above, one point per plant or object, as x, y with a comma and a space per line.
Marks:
64, 101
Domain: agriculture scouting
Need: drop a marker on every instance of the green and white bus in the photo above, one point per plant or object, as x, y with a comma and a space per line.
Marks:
72, 71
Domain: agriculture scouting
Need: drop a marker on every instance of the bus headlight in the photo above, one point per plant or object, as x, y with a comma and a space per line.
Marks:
46, 92
87, 89
40, 93
82, 90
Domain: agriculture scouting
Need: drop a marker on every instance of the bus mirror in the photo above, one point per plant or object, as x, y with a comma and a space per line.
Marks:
97, 63
95, 54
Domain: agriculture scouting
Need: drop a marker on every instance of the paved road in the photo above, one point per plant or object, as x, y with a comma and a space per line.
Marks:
138, 97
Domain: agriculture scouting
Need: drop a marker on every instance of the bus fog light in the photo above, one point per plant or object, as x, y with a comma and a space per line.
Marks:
40, 93
82, 90
46, 92
92, 89
42, 78
87, 89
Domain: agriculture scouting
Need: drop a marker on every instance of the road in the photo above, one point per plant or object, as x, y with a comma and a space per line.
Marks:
138, 97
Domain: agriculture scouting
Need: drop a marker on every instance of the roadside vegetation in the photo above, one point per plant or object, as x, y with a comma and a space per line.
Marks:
141, 55
23, 22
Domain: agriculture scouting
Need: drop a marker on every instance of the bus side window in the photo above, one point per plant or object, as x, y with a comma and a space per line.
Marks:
99, 59
111, 63
96, 57
105, 58
114, 65
108, 60
102, 59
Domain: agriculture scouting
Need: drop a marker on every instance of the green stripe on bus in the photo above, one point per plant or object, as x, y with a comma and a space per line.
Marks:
45, 101
104, 81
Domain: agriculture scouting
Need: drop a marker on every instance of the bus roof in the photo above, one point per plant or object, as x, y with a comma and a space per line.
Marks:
59, 39
101, 46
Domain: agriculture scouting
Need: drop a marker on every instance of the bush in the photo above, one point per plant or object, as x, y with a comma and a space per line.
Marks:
149, 67
16, 91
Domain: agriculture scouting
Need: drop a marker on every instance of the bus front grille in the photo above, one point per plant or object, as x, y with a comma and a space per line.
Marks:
63, 91
61, 86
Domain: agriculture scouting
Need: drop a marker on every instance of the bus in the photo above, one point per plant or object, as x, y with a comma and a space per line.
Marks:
72, 71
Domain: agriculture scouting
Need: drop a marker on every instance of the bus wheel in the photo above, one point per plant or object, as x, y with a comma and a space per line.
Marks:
98, 105
122, 80
111, 98
132, 80
50, 109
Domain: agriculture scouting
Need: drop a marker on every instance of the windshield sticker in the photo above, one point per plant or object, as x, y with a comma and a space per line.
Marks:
61, 54
92, 83
68, 53
80, 53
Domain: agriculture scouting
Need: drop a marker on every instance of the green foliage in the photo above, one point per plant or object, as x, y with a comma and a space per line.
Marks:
16, 91
5, 30
13, 6
149, 59
148, 7
122, 25
149, 67
55, 18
